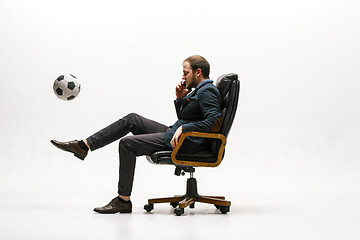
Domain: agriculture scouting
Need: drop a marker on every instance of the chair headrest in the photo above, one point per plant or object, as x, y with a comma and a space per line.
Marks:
223, 83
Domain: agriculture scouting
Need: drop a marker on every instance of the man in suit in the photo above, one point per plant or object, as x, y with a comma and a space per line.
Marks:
198, 108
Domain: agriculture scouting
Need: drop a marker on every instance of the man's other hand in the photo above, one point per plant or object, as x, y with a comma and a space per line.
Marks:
175, 139
181, 90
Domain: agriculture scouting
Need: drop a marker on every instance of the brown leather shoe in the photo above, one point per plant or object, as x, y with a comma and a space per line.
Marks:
72, 146
115, 206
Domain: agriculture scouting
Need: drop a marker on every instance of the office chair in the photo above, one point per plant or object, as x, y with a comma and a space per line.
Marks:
229, 87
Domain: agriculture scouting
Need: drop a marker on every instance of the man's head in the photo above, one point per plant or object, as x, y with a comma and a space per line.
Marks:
195, 69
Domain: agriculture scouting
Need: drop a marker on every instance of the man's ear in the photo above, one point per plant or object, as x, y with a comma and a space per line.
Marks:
198, 72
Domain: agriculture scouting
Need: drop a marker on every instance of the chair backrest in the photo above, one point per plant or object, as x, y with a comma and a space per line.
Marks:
229, 87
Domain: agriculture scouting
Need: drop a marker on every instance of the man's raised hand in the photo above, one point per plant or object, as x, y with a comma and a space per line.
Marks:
181, 90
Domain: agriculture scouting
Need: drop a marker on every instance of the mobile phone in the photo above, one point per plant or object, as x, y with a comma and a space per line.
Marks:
184, 84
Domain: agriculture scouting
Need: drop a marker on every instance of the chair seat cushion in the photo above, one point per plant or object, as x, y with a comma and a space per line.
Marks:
164, 157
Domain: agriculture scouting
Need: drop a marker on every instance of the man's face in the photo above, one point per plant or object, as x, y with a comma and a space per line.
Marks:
188, 76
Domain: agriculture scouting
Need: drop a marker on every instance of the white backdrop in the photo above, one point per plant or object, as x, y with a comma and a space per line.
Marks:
297, 126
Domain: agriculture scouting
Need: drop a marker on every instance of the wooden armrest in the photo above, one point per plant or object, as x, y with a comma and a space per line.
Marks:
203, 135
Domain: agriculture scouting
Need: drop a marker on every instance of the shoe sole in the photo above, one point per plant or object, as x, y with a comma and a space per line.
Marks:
123, 211
79, 156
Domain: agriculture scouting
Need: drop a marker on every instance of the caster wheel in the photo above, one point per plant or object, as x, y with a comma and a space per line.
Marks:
217, 206
224, 209
192, 205
178, 211
174, 204
149, 207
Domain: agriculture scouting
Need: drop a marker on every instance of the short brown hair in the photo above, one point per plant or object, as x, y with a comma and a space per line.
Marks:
197, 61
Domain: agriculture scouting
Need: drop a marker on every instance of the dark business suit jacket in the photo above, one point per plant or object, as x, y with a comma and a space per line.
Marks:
199, 111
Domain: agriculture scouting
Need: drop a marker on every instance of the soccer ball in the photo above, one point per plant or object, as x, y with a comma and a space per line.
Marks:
66, 87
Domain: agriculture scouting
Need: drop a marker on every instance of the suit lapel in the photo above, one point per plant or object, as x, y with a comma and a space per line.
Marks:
186, 100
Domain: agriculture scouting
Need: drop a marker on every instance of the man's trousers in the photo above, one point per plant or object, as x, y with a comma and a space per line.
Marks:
147, 138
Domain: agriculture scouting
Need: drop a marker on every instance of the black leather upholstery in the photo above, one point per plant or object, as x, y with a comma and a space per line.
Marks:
164, 157
229, 87
161, 157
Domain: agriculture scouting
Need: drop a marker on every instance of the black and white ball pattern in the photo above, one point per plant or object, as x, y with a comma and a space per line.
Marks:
66, 87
